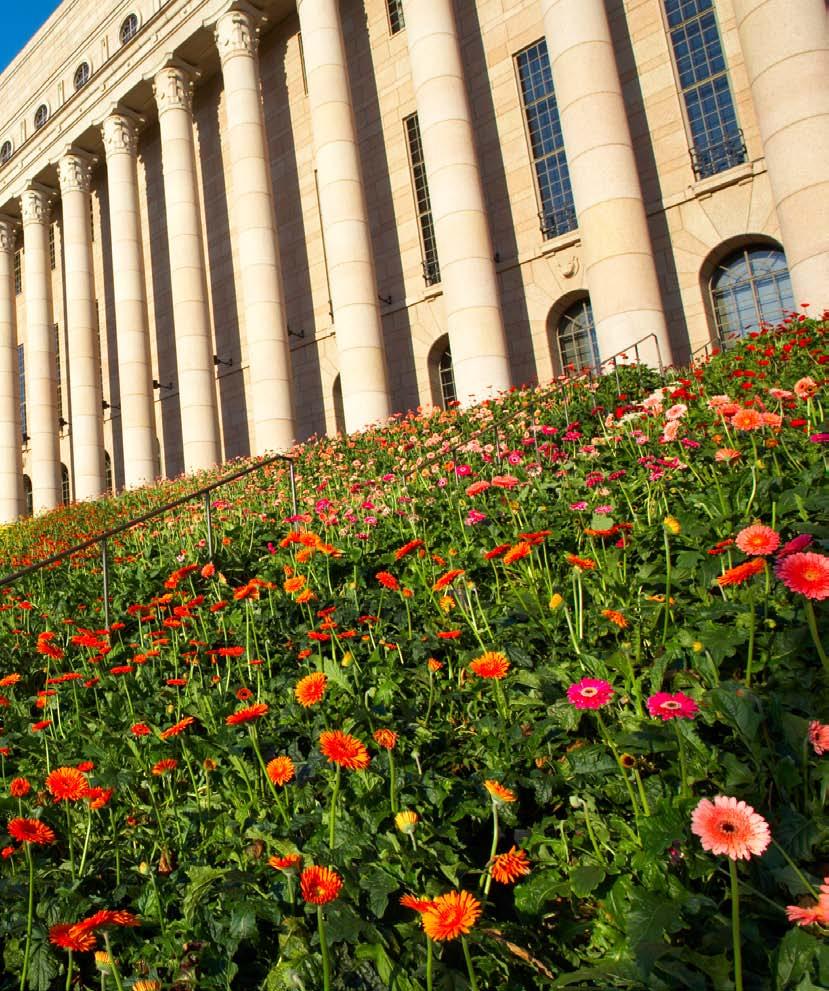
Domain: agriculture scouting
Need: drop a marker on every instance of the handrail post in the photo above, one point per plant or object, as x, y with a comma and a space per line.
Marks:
105, 579
208, 517
497, 441
294, 504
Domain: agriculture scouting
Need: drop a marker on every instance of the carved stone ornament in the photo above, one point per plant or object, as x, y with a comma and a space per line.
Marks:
236, 34
120, 135
569, 267
173, 89
75, 174
34, 205
8, 235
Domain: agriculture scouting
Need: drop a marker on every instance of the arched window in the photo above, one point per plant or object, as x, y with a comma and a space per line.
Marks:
41, 116
750, 288
339, 409
27, 496
446, 376
576, 338
64, 485
129, 29
5, 152
108, 471
81, 77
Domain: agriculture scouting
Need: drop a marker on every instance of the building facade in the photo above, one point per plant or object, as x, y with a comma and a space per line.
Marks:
225, 226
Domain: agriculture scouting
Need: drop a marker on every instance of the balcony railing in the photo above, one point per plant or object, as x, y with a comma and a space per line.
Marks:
431, 272
719, 156
557, 221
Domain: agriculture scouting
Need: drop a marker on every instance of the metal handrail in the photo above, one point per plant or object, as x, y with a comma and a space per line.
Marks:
102, 538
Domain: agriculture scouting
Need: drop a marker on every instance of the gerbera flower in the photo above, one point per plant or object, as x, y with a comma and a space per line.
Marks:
319, 885
66, 784
676, 706
163, 766
311, 689
508, 867
289, 863
178, 727
758, 539
248, 715
385, 738
517, 551
729, 826
818, 737
415, 903
19, 787
446, 579
280, 770
590, 693
31, 831
727, 454
805, 573
798, 543
387, 580
746, 419
451, 915
815, 914
140, 729
406, 821
499, 793
491, 664
72, 936
110, 917
344, 749
412, 545
582, 563
615, 617
147, 984
741, 573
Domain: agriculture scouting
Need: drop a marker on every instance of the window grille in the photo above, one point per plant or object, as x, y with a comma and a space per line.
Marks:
129, 29
446, 374
81, 77
52, 253
41, 116
749, 290
21, 387
397, 21
64, 485
56, 341
18, 271
577, 345
431, 265
5, 152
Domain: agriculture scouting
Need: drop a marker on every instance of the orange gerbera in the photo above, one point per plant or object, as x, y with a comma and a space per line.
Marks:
730, 827
248, 715
446, 579
289, 863
163, 766
742, 572
508, 867
746, 419
344, 749
294, 584
31, 831
387, 580
385, 738
109, 917
178, 727
319, 885
499, 793
310, 689
451, 915
517, 551
280, 770
615, 617
412, 545
72, 936
582, 563
415, 903
67, 784
491, 664
19, 787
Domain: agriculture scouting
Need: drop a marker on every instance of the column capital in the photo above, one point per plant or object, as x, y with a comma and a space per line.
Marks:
237, 33
35, 205
75, 172
8, 234
120, 134
173, 89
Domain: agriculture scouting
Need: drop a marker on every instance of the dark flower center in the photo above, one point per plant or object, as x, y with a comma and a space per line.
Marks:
728, 827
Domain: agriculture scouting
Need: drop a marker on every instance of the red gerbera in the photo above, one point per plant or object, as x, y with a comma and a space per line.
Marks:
344, 749
320, 885
412, 545
162, 766
252, 712
388, 581
178, 727
67, 784
289, 863
742, 572
31, 831
415, 903
72, 936
109, 917
385, 738
19, 788
590, 693
140, 729
676, 706
806, 573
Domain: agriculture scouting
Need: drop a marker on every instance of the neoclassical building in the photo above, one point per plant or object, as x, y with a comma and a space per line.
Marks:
226, 226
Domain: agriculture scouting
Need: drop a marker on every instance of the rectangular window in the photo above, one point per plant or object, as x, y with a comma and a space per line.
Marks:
52, 255
324, 251
431, 266
18, 271
91, 219
396, 19
703, 79
21, 385
535, 77
56, 339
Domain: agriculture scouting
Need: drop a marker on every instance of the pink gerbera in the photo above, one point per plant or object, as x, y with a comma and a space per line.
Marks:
729, 826
590, 693
676, 706
757, 540
813, 914
806, 573
819, 737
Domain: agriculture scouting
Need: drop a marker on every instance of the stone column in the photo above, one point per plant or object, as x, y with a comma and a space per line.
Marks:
83, 359
786, 49
480, 356
41, 370
11, 470
618, 256
130, 297
252, 214
348, 248
188, 273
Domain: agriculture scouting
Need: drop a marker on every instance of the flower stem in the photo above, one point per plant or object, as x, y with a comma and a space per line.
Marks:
735, 926
810, 619
493, 849
326, 960
332, 817
667, 584
392, 783
274, 792
29, 915
429, 961
70, 966
751, 628
115, 972
473, 984
683, 766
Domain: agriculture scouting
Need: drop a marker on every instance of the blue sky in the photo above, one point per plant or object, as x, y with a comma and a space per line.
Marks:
19, 26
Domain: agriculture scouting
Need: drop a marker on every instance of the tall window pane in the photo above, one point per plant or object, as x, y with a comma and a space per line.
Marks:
555, 194
396, 19
749, 289
56, 338
703, 78
21, 385
431, 266
577, 346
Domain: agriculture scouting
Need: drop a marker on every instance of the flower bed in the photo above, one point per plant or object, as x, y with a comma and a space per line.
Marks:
529, 695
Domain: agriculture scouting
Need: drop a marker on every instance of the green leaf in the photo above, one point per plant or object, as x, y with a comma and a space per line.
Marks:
42, 966
243, 924
793, 957
379, 885
583, 880
201, 879
533, 894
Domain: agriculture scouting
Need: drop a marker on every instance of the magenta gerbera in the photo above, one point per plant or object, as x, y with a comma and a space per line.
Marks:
672, 706
590, 693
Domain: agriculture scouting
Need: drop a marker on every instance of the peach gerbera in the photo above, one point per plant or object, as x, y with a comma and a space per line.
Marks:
728, 826
757, 540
